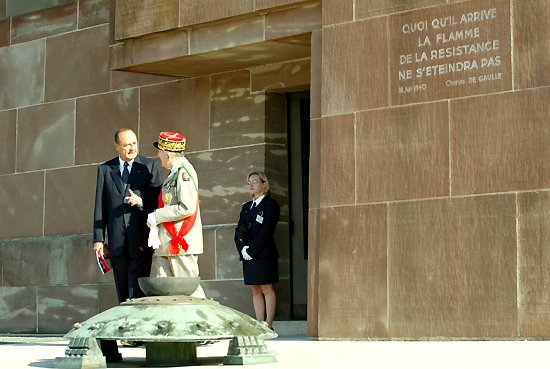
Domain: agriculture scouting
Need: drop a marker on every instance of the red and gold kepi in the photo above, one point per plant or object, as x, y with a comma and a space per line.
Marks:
170, 141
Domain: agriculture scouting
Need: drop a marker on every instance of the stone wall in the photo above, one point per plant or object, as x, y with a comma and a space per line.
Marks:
432, 213
11, 8
59, 109
428, 175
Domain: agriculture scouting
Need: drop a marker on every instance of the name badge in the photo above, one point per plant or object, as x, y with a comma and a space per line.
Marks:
259, 219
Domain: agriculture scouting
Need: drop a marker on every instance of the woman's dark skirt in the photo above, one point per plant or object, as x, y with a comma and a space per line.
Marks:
260, 271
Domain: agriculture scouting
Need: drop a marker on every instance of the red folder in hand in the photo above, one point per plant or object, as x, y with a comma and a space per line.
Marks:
102, 262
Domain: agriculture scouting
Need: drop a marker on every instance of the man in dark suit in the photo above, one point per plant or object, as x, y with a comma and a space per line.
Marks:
127, 190
121, 208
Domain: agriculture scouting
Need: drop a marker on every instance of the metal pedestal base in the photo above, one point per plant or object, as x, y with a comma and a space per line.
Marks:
171, 327
246, 350
170, 354
83, 353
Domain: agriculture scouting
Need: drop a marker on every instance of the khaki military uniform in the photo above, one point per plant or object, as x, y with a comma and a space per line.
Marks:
180, 198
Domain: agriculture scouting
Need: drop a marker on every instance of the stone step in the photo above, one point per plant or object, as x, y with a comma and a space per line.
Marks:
290, 328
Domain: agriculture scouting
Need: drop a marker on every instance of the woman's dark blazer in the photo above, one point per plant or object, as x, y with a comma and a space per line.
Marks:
259, 236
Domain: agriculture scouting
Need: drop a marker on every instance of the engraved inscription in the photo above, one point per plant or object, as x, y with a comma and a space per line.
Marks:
450, 51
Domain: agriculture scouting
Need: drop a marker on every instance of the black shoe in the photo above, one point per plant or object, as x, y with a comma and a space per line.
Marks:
109, 349
113, 358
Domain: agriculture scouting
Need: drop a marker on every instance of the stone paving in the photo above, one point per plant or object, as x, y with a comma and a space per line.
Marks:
300, 352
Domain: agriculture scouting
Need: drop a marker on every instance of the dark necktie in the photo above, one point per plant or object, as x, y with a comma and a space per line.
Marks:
253, 206
125, 173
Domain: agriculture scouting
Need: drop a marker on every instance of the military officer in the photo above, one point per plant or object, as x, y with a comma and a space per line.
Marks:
177, 219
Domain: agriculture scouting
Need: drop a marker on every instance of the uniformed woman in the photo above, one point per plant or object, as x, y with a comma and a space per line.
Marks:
256, 245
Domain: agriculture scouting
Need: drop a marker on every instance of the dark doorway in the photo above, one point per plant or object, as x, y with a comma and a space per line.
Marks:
298, 172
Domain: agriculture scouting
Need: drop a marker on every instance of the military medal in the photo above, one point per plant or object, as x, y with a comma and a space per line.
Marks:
167, 197
185, 176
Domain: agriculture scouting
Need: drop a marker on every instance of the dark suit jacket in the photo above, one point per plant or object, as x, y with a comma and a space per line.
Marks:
259, 236
117, 217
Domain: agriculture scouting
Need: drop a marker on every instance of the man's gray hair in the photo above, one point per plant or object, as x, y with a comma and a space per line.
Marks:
179, 154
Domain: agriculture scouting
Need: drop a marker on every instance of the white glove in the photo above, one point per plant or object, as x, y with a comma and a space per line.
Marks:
154, 240
245, 254
151, 220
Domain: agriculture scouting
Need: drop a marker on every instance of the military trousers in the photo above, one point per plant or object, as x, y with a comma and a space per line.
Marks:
177, 266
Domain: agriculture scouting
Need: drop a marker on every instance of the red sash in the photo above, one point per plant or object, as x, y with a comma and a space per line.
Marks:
178, 242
